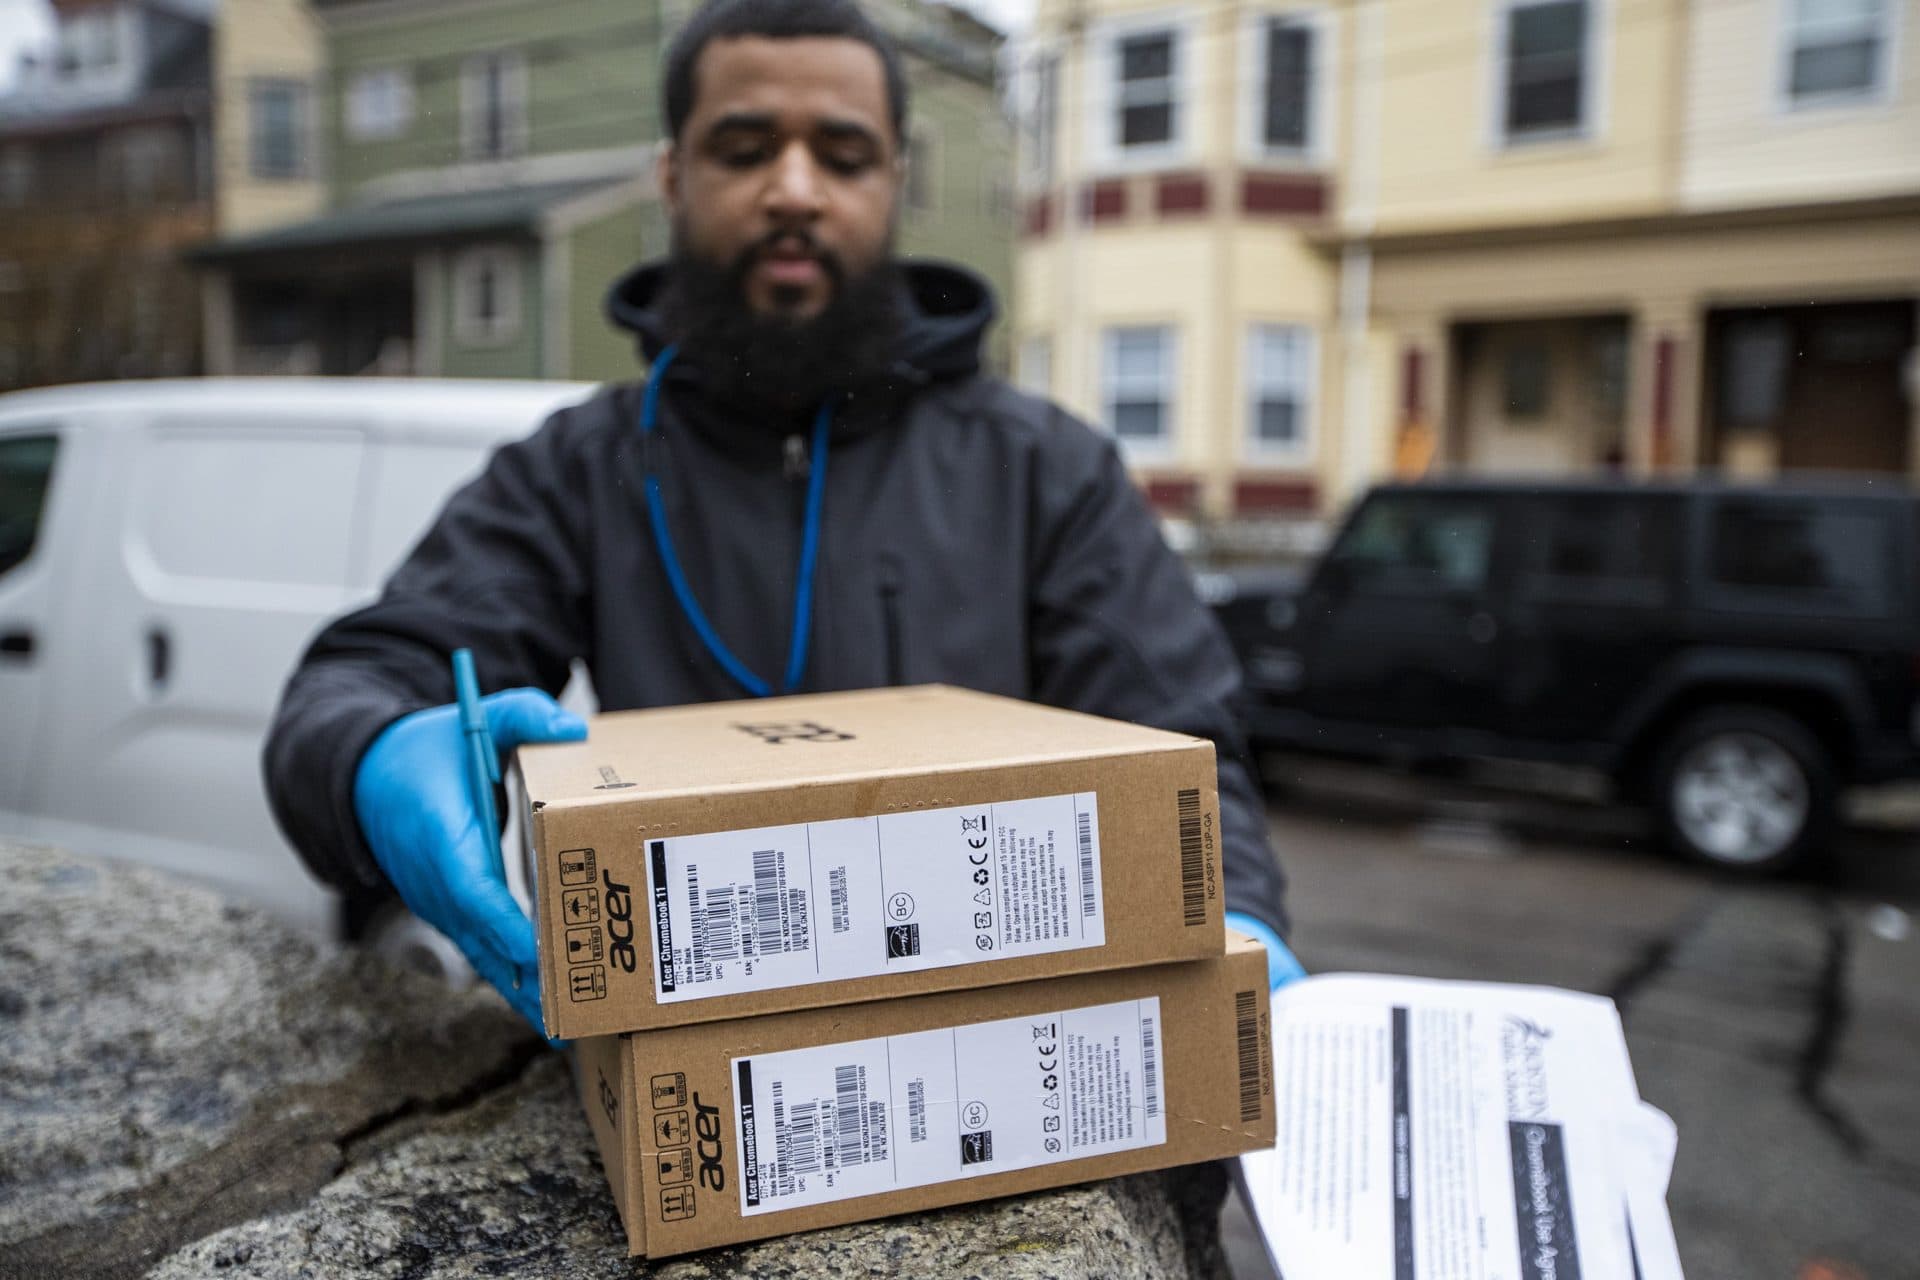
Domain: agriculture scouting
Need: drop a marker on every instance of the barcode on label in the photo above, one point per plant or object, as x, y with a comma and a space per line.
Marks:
842, 913
916, 1110
1246, 1031
766, 903
1193, 885
849, 1148
1086, 863
1150, 1066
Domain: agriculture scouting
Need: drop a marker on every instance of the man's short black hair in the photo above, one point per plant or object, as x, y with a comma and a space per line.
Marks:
775, 20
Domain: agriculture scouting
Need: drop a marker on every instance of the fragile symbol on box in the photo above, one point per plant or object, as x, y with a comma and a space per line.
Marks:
675, 1166
676, 1203
669, 1090
582, 906
583, 945
671, 1130
589, 982
576, 866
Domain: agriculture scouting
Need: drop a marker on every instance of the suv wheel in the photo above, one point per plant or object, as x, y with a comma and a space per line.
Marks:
1744, 788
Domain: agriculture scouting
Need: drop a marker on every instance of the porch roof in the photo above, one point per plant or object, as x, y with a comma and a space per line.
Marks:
447, 216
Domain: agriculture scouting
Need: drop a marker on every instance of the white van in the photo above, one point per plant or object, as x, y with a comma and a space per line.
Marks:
167, 551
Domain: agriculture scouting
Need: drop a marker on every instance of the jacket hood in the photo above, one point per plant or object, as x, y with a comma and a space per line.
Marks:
947, 311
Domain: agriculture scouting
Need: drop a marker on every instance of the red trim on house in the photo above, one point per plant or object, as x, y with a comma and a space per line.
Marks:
1104, 201
1413, 388
1283, 194
1665, 353
1176, 194
1172, 495
1268, 495
1039, 216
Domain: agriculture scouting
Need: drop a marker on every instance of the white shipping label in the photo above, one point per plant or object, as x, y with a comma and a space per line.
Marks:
815, 902
854, 1119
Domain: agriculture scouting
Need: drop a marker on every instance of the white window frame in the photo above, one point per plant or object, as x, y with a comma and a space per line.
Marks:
513, 82
303, 132
1033, 371
1883, 91
1299, 451
1253, 79
387, 87
1597, 59
1041, 73
1137, 449
510, 296
1103, 117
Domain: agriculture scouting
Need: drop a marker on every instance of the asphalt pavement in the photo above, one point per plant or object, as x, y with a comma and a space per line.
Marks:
1778, 1023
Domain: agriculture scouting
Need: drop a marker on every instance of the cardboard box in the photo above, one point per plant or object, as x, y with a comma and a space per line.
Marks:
722, 861
731, 1131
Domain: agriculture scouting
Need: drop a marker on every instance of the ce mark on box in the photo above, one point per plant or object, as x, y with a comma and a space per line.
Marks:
580, 909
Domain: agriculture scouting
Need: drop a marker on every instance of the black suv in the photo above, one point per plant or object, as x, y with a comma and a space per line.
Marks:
1732, 656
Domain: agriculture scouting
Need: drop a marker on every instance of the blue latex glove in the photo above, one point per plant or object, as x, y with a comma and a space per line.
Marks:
412, 798
1282, 968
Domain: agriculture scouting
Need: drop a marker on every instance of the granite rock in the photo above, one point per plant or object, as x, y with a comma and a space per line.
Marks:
189, 1089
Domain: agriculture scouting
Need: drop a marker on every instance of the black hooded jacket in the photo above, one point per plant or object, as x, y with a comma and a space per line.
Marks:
972, 535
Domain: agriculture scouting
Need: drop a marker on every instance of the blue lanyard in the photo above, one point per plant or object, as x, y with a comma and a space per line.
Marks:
809, 547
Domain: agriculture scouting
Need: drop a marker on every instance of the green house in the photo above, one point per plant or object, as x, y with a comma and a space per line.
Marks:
486, 169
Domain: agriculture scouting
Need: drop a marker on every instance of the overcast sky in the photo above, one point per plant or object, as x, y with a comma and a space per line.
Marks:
27, 22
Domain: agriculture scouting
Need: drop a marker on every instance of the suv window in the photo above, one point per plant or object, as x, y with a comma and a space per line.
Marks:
26, 473
1803, 556
1419, 543
1598, 549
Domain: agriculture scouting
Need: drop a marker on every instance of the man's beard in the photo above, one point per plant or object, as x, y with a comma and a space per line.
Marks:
783, 361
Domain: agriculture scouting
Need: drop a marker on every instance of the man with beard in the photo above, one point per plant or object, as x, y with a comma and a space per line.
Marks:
815, 488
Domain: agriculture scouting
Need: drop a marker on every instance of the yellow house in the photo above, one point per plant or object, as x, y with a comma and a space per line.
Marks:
1539, 236
269, 61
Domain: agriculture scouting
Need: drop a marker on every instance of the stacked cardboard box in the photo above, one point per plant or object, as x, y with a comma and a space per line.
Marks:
835, 957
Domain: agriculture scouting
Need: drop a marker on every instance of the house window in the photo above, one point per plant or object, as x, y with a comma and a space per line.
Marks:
1288, 55
278, 115
1526, 381
1035, 371
380, 104
486, 297
922, 170
1144, 114
1280, 378
1546, 68
1836, 50
493, 106
1136, 386
1038, 120
16, 175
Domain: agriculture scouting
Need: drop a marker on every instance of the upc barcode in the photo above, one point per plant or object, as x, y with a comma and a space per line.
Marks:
1086, 863
796, 1141
842, 914
1246, 1031
916, 1110
716, 927
1150, 1066
1193, 885
766, 902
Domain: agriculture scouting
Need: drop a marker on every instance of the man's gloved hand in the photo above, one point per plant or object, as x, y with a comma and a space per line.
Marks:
415, 809
1282, 968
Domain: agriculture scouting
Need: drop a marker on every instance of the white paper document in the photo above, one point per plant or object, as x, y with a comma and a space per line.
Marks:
1458, 1131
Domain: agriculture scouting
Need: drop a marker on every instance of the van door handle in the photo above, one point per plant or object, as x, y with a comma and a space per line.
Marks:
159, 658
17, 644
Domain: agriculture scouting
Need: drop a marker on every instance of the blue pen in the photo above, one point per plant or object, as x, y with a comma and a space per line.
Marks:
483, 762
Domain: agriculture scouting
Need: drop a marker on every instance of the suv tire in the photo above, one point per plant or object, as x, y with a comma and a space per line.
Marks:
1746, 789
